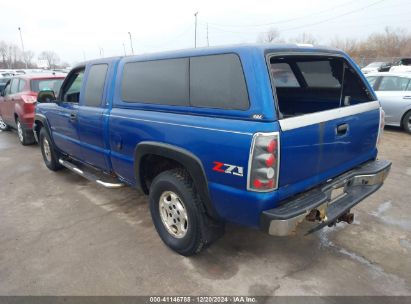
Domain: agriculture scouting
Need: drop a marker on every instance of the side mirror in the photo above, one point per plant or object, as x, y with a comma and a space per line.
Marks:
46, 96
2, 93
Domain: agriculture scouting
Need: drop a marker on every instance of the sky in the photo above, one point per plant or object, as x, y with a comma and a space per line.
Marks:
83, 30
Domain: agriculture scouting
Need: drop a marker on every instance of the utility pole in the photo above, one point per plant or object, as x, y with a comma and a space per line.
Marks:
124, 48
195, 30
208, 42
22, 46
131, 43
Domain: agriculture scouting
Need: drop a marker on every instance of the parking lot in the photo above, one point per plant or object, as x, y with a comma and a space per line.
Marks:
63, 235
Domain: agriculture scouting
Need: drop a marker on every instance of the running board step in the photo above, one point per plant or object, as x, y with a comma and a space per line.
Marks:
90, 176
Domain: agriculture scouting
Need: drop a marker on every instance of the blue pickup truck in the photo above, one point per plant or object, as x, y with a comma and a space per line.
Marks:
266, 136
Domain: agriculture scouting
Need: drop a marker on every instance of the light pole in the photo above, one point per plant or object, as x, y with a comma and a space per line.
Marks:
131, 43
22, 46
195, 29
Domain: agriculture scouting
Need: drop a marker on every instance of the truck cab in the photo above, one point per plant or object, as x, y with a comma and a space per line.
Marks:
265, 136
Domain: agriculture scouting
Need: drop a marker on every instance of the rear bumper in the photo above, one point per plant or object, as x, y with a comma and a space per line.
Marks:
354, 185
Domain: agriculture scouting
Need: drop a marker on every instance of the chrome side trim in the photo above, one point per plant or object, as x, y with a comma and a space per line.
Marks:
315, 118
110, 185
181, 125
89, 176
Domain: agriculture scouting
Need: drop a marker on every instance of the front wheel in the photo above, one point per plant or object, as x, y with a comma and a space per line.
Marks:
3, 125
178, 214
50, 155
406, 122
26, 137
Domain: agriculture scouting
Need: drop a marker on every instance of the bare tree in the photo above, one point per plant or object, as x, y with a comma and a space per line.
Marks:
271, 36
13, 53
384, 46
28, 57
4, 53
305, 38
52, 58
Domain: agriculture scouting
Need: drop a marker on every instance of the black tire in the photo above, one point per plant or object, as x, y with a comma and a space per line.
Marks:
51, 157
25, 136
201, 230
3, 125
406, 122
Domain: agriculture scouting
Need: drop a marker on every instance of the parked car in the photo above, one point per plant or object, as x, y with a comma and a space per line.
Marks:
17, 102
394, 93
376, 67
6, 74
403, 65
264, 136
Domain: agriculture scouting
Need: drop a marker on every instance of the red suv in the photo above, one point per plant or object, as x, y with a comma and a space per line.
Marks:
18, 99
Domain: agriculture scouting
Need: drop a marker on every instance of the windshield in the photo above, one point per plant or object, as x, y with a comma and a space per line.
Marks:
54, 84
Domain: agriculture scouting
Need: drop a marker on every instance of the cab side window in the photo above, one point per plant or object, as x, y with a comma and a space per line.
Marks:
95, 85
71, 90
393, 83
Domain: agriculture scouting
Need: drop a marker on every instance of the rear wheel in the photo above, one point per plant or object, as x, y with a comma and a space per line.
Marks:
50, 154
26, 137
3, 125
406, 122
178, 214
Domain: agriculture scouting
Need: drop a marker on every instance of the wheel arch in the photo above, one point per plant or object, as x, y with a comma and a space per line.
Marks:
408, 110
40, 121
180, 156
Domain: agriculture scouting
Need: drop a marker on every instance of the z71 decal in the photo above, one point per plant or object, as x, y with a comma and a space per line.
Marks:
227, 168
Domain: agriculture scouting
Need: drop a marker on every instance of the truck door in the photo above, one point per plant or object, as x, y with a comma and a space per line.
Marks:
92, 114
63, 118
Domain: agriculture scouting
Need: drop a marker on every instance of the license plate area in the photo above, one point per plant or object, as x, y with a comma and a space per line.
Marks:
337, 193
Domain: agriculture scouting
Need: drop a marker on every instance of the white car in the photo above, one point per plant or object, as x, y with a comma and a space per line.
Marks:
394, 93
374, 67
403, 66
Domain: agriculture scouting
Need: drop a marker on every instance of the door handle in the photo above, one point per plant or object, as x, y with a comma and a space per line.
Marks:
341, 129
73, 116
406, 97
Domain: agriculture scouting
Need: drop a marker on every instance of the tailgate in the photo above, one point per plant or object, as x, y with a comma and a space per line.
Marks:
325, 149
329, 119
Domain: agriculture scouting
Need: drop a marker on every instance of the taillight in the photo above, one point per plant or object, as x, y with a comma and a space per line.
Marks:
29, 98
382, 125
263, 164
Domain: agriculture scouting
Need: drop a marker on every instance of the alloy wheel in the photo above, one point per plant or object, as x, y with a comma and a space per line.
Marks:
46, 148
2, 124
20, 131
173, 214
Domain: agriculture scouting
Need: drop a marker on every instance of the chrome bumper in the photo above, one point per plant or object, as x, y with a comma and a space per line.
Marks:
352, 188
